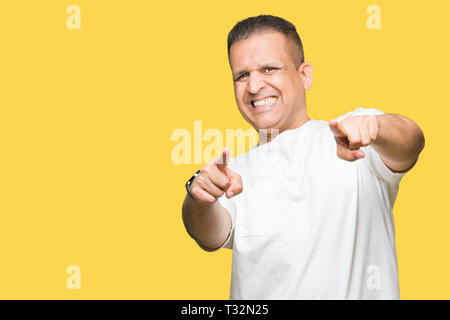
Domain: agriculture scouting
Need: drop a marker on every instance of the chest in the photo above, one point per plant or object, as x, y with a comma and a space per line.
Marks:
285, 191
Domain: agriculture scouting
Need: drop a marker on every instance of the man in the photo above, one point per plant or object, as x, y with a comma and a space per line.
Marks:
311, 217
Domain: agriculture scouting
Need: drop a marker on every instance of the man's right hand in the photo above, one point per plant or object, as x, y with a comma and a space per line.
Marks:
216, 179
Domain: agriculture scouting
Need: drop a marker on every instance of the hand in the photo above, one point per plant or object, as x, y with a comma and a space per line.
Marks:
352, 133
215, 179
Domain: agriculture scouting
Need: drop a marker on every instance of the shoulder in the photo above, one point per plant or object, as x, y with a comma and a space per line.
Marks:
360, 112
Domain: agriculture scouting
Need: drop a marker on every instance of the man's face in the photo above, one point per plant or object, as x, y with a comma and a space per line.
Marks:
269, 90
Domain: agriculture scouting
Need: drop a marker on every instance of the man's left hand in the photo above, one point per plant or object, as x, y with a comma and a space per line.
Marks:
352, 133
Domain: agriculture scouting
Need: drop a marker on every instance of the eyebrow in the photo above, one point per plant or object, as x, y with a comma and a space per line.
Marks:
260, 66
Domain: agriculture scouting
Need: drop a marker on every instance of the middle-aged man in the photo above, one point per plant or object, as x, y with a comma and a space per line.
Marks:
308, 211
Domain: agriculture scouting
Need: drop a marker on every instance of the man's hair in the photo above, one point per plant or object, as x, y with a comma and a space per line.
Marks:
262, 23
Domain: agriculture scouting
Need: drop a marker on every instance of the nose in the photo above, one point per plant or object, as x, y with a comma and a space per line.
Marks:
255, 83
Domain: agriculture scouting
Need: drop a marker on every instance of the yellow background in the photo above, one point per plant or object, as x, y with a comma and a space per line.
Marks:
86, 118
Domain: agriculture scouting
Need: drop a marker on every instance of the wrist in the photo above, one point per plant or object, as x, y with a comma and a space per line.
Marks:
189, 184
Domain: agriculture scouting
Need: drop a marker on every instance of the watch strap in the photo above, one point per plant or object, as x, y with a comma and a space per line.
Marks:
189, 182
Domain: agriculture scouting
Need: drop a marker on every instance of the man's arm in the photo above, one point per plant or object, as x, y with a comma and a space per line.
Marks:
399, 141
205, 219
208, 224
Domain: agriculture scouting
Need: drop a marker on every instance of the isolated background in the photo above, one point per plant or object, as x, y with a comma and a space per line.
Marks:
86, 117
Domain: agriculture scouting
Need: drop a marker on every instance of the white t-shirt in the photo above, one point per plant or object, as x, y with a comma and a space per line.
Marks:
309, 225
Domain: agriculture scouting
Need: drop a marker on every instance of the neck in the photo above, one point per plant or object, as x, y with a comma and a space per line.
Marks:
267, 135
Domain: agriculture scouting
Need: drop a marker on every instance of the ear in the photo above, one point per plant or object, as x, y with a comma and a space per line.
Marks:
306, 73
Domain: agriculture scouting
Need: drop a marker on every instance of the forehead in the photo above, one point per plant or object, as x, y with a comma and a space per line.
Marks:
258, 49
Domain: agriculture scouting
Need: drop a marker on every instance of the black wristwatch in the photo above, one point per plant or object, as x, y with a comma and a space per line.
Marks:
188, 184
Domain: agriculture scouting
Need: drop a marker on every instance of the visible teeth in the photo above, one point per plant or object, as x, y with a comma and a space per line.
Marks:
265, 102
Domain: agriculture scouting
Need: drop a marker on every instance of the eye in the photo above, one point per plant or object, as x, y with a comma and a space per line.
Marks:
241, 76
268, 69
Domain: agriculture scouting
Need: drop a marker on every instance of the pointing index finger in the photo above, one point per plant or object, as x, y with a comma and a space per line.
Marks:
222, 161
337, 128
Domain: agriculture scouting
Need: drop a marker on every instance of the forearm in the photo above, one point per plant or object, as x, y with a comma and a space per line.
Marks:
399, 141
209, 224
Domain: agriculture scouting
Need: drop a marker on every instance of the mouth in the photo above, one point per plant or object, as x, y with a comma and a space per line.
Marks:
264, 104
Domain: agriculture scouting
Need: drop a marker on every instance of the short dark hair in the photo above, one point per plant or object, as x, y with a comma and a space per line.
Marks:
245, 28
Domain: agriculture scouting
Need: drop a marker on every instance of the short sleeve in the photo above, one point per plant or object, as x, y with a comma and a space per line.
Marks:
361, 112
378, 167
372, 159
230, 206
